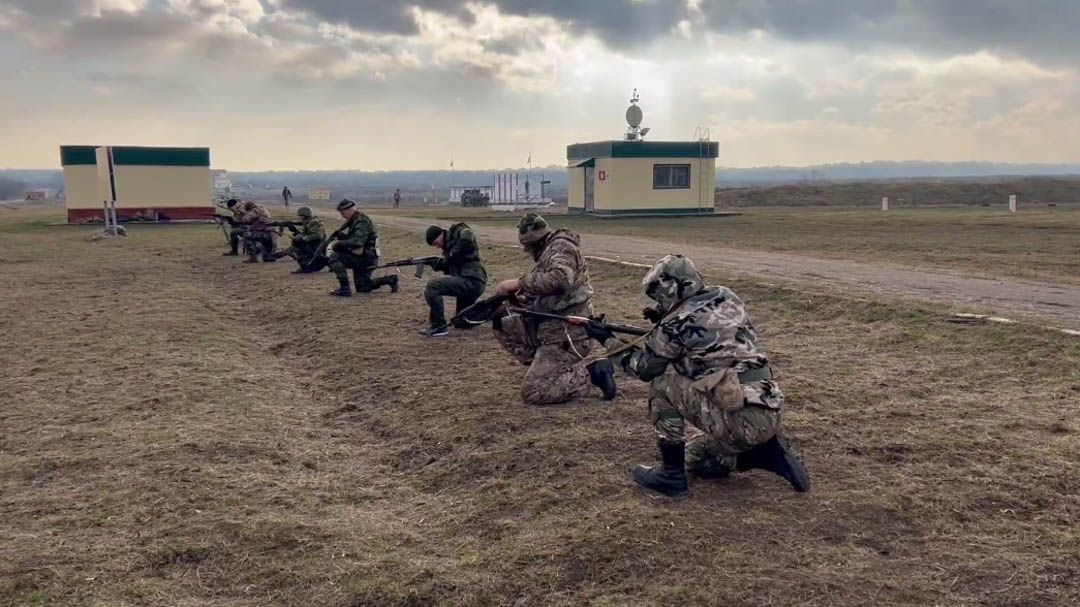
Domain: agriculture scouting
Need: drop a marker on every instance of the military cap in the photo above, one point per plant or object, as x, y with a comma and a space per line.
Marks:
345, 204
303, 212
231, 202
432, 233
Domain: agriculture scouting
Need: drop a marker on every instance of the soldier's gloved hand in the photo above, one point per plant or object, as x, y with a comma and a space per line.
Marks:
439, 265
651, 314
340, 247
623, 360
598, 332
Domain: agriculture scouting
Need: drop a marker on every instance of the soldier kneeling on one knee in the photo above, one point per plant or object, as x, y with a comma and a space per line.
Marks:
306, 243
357, 247
465, 278
704, 366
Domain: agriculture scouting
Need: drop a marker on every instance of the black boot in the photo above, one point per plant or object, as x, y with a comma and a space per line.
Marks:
251, 259
670, 477
776, 456
392, 280
231, 252
602, 375
343, 288
436, 331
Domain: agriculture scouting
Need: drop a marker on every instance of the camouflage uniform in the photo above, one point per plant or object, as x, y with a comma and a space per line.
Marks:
236, 227
259, 237
558, 284
703, 337
465, 277
357, 247
305, 243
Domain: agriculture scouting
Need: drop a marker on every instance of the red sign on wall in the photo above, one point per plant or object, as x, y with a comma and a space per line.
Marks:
602, 175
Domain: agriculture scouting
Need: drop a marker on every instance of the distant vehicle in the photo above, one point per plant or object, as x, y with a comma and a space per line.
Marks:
475, 198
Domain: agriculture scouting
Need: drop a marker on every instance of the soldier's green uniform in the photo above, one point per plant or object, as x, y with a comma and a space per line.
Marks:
357, 247
466, 277
306, 240
706, 367
558, 284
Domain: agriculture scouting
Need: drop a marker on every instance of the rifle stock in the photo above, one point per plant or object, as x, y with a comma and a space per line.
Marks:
481, 311
322, 246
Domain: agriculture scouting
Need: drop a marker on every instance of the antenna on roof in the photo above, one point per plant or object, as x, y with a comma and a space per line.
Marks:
634, 116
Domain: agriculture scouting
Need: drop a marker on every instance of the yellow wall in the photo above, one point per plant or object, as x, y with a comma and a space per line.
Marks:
81, 187
162, 186
576, 184
629, 185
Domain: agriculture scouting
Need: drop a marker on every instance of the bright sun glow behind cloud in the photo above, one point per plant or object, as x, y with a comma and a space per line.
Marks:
380, 85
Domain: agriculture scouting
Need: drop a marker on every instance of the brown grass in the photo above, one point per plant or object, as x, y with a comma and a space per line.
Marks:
181, 429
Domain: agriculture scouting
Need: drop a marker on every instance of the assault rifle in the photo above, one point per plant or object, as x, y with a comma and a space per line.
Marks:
321, 251
225, 219
293, 226
221, 220
582, 321
421, 263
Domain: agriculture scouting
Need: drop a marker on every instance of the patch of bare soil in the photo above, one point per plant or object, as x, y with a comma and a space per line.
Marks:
182, 429
1056, 304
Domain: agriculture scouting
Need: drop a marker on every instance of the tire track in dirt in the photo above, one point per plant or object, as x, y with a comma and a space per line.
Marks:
1055, 304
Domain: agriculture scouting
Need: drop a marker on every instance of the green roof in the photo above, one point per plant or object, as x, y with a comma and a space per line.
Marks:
642, 149
137, 156
77, 154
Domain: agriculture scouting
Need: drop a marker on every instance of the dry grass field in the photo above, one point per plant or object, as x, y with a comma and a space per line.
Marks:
1041, 244
181, 429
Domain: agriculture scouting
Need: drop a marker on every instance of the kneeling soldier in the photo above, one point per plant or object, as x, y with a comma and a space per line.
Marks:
554, 352
236, 226
306, 242
357, 247
259, 237
465, 277
706, 367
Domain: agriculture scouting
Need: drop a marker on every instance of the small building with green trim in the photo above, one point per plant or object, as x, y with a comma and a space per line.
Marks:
642, 177
149, 182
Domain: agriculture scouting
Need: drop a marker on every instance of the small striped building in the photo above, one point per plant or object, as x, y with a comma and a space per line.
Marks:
165, 183
642, 177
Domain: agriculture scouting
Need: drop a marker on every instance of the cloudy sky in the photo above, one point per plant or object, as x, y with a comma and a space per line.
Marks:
363, 84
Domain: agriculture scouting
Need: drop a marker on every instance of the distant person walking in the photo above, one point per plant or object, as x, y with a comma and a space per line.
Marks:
286, 195
397, 198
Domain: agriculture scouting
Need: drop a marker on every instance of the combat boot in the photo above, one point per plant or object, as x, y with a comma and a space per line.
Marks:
343, 289
668, 478
392, 280
776, 456
251, 259
231, 252
602, 375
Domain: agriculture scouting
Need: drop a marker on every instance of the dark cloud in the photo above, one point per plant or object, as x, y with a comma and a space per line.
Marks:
620, 23
373, 15
1043, 30
1038, 29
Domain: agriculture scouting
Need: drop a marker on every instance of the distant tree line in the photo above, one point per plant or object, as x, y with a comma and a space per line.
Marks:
11, 189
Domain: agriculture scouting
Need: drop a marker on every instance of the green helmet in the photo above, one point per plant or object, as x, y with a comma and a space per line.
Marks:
671, 280
303, 212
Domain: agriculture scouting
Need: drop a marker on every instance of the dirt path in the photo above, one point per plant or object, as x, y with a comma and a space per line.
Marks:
1057, 305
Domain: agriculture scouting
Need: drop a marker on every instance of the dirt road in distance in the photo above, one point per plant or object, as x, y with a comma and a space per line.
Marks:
1051, 304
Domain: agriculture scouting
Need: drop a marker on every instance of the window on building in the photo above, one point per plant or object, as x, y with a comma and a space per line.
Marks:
671, 177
